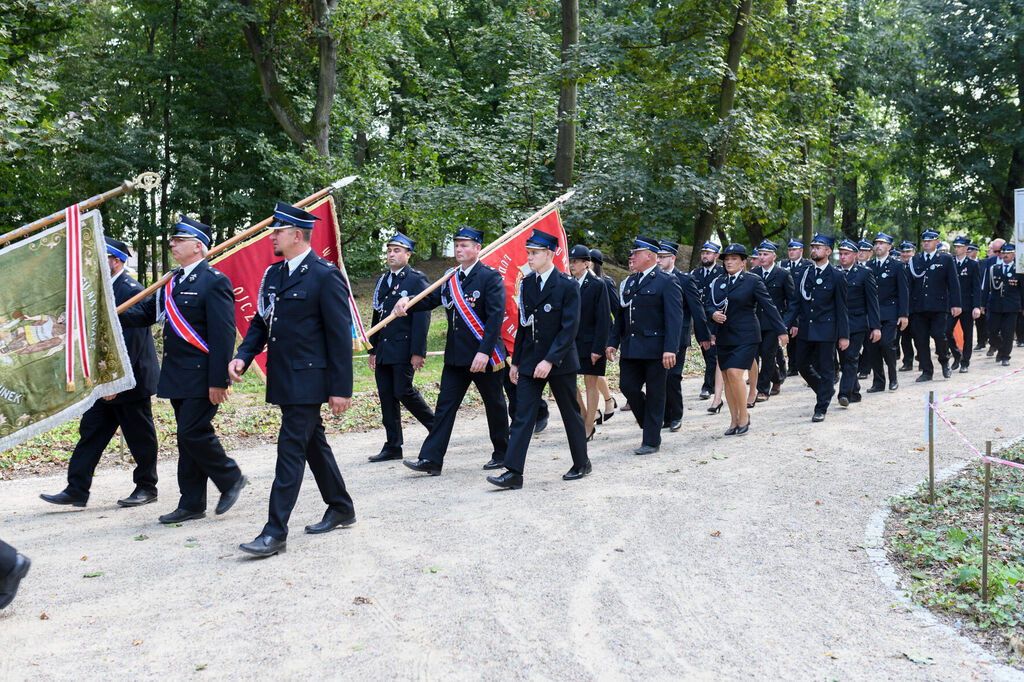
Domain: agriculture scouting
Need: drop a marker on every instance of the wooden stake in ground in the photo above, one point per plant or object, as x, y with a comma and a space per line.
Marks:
931, 447
984, 527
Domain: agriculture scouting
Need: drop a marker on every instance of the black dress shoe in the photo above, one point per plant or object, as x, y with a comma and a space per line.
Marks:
894, 384
964, 369
576, 473
855, 397
675, 425
862, 375
818, 417
494, 463
179, 515
704, 395
906, 368
979, 346
385, 456
646, 450
956, 364
138, 498
228, 499
776, 389
844, 401
990, 353
509, 479
946, 372
923, 377
541, 424
63, 498
9, 585
424, 466
1006, 362
264, 545
332, 519
876, 389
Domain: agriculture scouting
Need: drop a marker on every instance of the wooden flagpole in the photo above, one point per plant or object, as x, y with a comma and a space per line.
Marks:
147, 180
500, 241
244, 234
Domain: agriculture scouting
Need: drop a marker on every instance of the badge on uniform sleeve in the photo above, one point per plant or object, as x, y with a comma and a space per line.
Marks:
547, 307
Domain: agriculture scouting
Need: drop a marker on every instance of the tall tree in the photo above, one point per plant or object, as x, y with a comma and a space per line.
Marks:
565, 154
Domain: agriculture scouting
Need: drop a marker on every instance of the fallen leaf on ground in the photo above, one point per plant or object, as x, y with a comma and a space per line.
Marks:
362, 600
97, 574
201, 666
84, 558
817, 502
191, 544
140, 538
716, 533
919, 658
432, 569
43, 616
717, 456
136, 642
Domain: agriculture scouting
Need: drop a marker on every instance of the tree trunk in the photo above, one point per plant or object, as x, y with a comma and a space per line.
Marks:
727, 98
755, 233
849, 198
565, 155
140, 244
168, 93
1004, 228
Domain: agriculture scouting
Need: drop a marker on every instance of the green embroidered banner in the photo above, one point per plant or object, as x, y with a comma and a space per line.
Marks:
33, 330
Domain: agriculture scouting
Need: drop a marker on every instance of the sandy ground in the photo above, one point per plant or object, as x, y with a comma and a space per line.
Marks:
718, 558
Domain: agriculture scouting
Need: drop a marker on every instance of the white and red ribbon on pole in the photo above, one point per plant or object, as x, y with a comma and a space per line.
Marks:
74, 305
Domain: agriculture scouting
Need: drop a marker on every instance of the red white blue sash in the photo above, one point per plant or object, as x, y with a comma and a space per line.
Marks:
178, 322
74, 309
470, 317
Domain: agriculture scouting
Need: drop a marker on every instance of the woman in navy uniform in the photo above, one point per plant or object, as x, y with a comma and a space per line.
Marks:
649, 320
199, 337
474, 298
862, 311
969, 273
400, 348
732, 302
597, 266
592, 336
703, 275
306, 326
893, 287
130, 410
13, 567
1005, 300
934, 295
779, 283
545, 354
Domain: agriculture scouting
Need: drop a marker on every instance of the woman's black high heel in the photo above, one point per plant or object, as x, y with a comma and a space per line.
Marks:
731, 431
750, 406
743, 429
615, 406
591, 436
715, 409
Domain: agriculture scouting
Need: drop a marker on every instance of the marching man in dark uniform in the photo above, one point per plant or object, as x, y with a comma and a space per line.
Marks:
693, 317
986, 263
969, 273
399, 349
862, 310
545, 353
474, 298
906, 336
1005, 300
818, 314
198, 313
13, 567
893, 285
647, 328
597, 265
934, 295
131, 410
981, 330
795, 263
306, 326
702, 276
592, 334
796, 260
779, 282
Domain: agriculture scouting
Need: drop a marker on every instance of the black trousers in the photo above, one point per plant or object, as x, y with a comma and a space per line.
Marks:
97, 427
882, 355
930, 325
200, 454
394, 386
906, 342
967, 327
528, 392
849, 361
780, 362
768, 369
8, 555
455, 381
1020, 329
301, 440
1001, 326
710, 364
648, 408
510, 393
981, 329
673, 397
817, 367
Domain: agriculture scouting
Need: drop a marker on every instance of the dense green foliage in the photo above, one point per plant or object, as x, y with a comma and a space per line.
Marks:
851, 116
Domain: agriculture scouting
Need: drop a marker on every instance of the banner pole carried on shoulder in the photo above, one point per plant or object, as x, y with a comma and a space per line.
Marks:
244, 234
497, 243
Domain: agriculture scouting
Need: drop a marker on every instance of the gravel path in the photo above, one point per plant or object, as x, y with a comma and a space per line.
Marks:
716, 558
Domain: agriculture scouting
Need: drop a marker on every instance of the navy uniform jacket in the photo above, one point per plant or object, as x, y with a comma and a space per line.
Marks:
485, 293
862, 299
893, 283
938, 288
308, 334
595, 316
1005, 294
648, 325
555, 310
985, 264
780, 287
404, 336
818, 311
969, 273
703, 281
745, 297
693, 312
613, 295
795, 267
207, 302
139, 343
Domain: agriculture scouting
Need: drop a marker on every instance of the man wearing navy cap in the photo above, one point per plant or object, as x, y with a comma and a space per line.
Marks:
934, 295
305, 324
197, 309
474, 300
865, 251
794, 264
905, 340
130, 410
545, 354
893, 285
969, 273
986, 263
818, 314
781, 288
862, 311
400, 348
693, 317
703, 275
647, 328
1005, 300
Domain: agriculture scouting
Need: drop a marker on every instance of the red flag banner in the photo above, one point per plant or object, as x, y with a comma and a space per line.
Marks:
245, 264
510, 260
